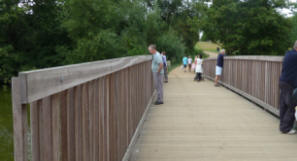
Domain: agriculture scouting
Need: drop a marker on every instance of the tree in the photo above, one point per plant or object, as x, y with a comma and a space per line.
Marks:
251, 27
46, 33
293, 32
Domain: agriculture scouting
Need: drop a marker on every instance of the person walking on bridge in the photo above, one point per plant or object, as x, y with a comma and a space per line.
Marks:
185, 63
287, 84
165, 66
158, 72
199, 69
190, 61
219, 67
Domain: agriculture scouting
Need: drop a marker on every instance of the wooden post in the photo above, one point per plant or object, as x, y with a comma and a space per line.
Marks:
20, 124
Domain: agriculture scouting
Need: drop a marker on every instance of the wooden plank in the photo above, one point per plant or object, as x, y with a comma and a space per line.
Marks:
85, 123
45, 130
91, 119
70, 125
102, 123
113, 153
78, 123
34, 119
56, 127
252, 58
20, 122
96, 124
107, 118
64, 128
46, 82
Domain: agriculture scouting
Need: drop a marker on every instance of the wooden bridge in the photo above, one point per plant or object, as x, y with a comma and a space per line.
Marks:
101, 111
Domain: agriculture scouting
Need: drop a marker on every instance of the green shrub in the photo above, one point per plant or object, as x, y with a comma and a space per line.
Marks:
173, 45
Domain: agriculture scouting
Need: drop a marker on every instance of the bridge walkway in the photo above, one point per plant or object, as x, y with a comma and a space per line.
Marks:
200, 122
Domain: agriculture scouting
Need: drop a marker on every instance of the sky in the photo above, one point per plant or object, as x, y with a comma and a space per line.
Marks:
287, 12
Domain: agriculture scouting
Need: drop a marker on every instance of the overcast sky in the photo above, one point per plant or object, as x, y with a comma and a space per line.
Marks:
287, 12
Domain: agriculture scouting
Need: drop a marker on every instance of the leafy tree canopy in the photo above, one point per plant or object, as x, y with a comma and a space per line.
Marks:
250, 27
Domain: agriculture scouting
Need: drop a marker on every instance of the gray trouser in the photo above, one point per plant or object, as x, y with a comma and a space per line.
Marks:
165, 74
158, 83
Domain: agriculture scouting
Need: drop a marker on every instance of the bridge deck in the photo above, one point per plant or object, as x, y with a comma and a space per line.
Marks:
200, 122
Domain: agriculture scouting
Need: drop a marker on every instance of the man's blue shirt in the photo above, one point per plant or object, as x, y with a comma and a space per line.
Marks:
220, 60
185, 60
289, 71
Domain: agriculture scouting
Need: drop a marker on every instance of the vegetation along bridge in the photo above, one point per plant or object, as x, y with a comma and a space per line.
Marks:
101, 111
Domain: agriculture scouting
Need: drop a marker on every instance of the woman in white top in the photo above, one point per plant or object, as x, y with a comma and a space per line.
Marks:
199, 69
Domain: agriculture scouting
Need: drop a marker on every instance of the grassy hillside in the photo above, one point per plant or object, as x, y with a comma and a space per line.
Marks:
208, 46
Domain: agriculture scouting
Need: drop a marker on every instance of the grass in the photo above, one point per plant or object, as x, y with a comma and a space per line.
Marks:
208, 46
6, 140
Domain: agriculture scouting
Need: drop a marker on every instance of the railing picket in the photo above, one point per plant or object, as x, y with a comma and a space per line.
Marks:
34, 121
70, 125
45, 130
78, 123
91, 118
64, 129
85, 122
56, 127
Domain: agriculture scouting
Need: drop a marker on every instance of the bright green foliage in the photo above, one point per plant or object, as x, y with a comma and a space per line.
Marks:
172, 44
251, 27
30, 37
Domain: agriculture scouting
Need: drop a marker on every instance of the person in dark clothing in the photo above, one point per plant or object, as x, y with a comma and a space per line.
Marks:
287, 84
219, 67
165, 66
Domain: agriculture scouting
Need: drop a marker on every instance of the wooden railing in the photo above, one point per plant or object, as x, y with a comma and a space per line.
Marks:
83, 112
254, 77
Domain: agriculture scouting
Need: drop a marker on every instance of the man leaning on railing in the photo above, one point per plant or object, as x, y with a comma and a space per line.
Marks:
158, 72
288, 82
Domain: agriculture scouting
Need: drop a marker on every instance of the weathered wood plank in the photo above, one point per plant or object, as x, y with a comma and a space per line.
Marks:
34, 119
85, 122
96, 124
45, 130
20, 122
70, 125
91, 118
64, 128
45, 82
107, 125
78, 124
56, 126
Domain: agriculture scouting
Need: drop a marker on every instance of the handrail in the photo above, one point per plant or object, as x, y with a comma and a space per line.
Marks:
254, 77
41, 83
252, 57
